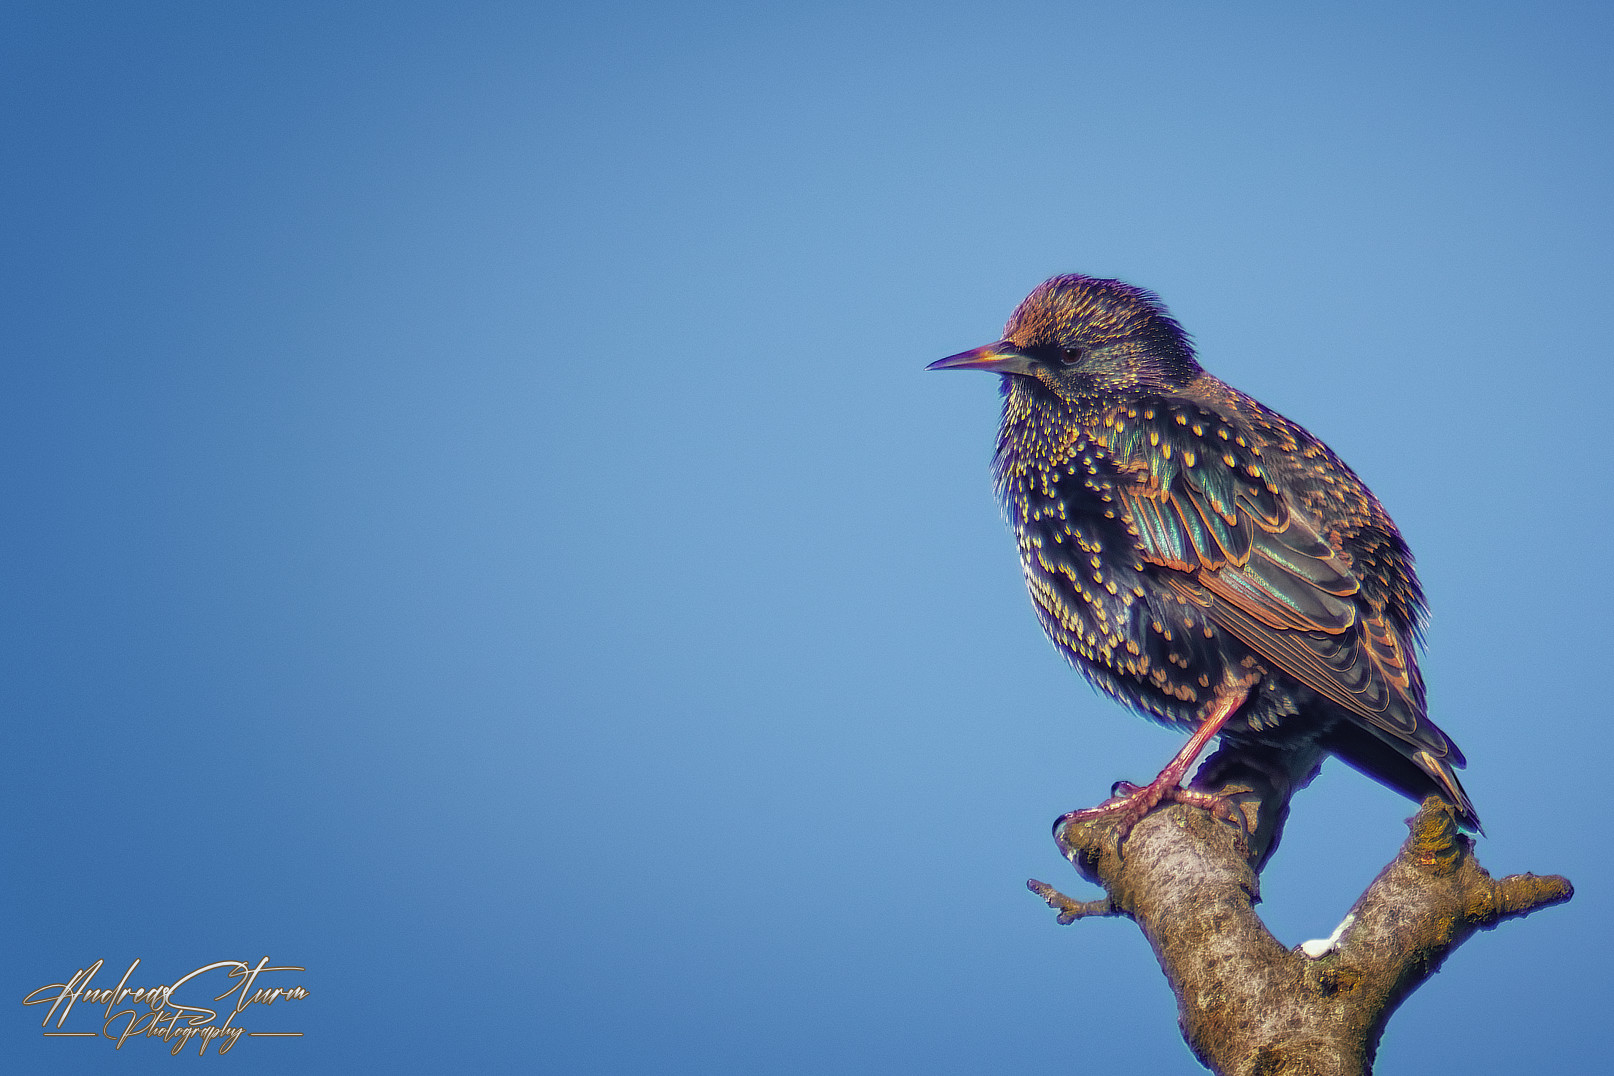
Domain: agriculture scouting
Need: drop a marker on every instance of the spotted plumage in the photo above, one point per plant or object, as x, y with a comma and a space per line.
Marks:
1197, 555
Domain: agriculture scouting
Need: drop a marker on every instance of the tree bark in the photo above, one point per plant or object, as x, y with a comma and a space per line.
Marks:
1246, 1005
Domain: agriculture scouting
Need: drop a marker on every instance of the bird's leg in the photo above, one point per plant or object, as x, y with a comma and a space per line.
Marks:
1131, 802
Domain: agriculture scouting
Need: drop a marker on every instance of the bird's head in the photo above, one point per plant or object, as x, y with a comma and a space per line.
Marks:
1083, 337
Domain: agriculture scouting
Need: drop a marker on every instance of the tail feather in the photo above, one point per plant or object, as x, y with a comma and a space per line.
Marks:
1410, 769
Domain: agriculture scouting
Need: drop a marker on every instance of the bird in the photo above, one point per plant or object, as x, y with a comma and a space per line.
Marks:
1201, 558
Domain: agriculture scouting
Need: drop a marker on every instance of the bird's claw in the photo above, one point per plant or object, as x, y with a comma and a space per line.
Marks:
1130, 803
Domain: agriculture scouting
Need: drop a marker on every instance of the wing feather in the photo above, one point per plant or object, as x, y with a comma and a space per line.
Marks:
1205, 511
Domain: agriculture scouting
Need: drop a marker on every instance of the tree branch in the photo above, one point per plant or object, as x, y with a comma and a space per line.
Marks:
1246, 1005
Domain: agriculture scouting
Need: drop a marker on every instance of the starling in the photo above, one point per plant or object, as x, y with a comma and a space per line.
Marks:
1200, 557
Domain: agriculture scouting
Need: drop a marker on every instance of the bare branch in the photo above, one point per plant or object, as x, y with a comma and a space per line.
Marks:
1247, 1005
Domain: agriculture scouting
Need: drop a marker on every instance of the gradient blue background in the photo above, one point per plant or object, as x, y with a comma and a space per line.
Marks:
477, 525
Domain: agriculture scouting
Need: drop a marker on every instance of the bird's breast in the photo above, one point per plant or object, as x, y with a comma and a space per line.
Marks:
1081, 562
1097, 598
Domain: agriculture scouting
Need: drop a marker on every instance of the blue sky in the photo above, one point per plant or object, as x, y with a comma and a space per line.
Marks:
481, 531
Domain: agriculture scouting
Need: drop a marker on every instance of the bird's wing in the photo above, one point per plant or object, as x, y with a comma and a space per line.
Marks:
1203, 505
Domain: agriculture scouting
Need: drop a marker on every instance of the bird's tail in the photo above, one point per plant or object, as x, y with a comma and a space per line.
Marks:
1451, 789
1410, 769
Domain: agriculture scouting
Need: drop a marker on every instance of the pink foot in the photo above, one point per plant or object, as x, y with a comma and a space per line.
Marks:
1129, 803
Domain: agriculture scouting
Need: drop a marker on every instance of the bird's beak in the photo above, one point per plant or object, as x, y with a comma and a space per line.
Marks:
999, 358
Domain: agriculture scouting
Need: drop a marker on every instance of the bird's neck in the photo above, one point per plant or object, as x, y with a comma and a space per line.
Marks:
1041, 427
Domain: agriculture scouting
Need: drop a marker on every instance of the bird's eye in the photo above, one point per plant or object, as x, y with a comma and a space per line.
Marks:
1070, 356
